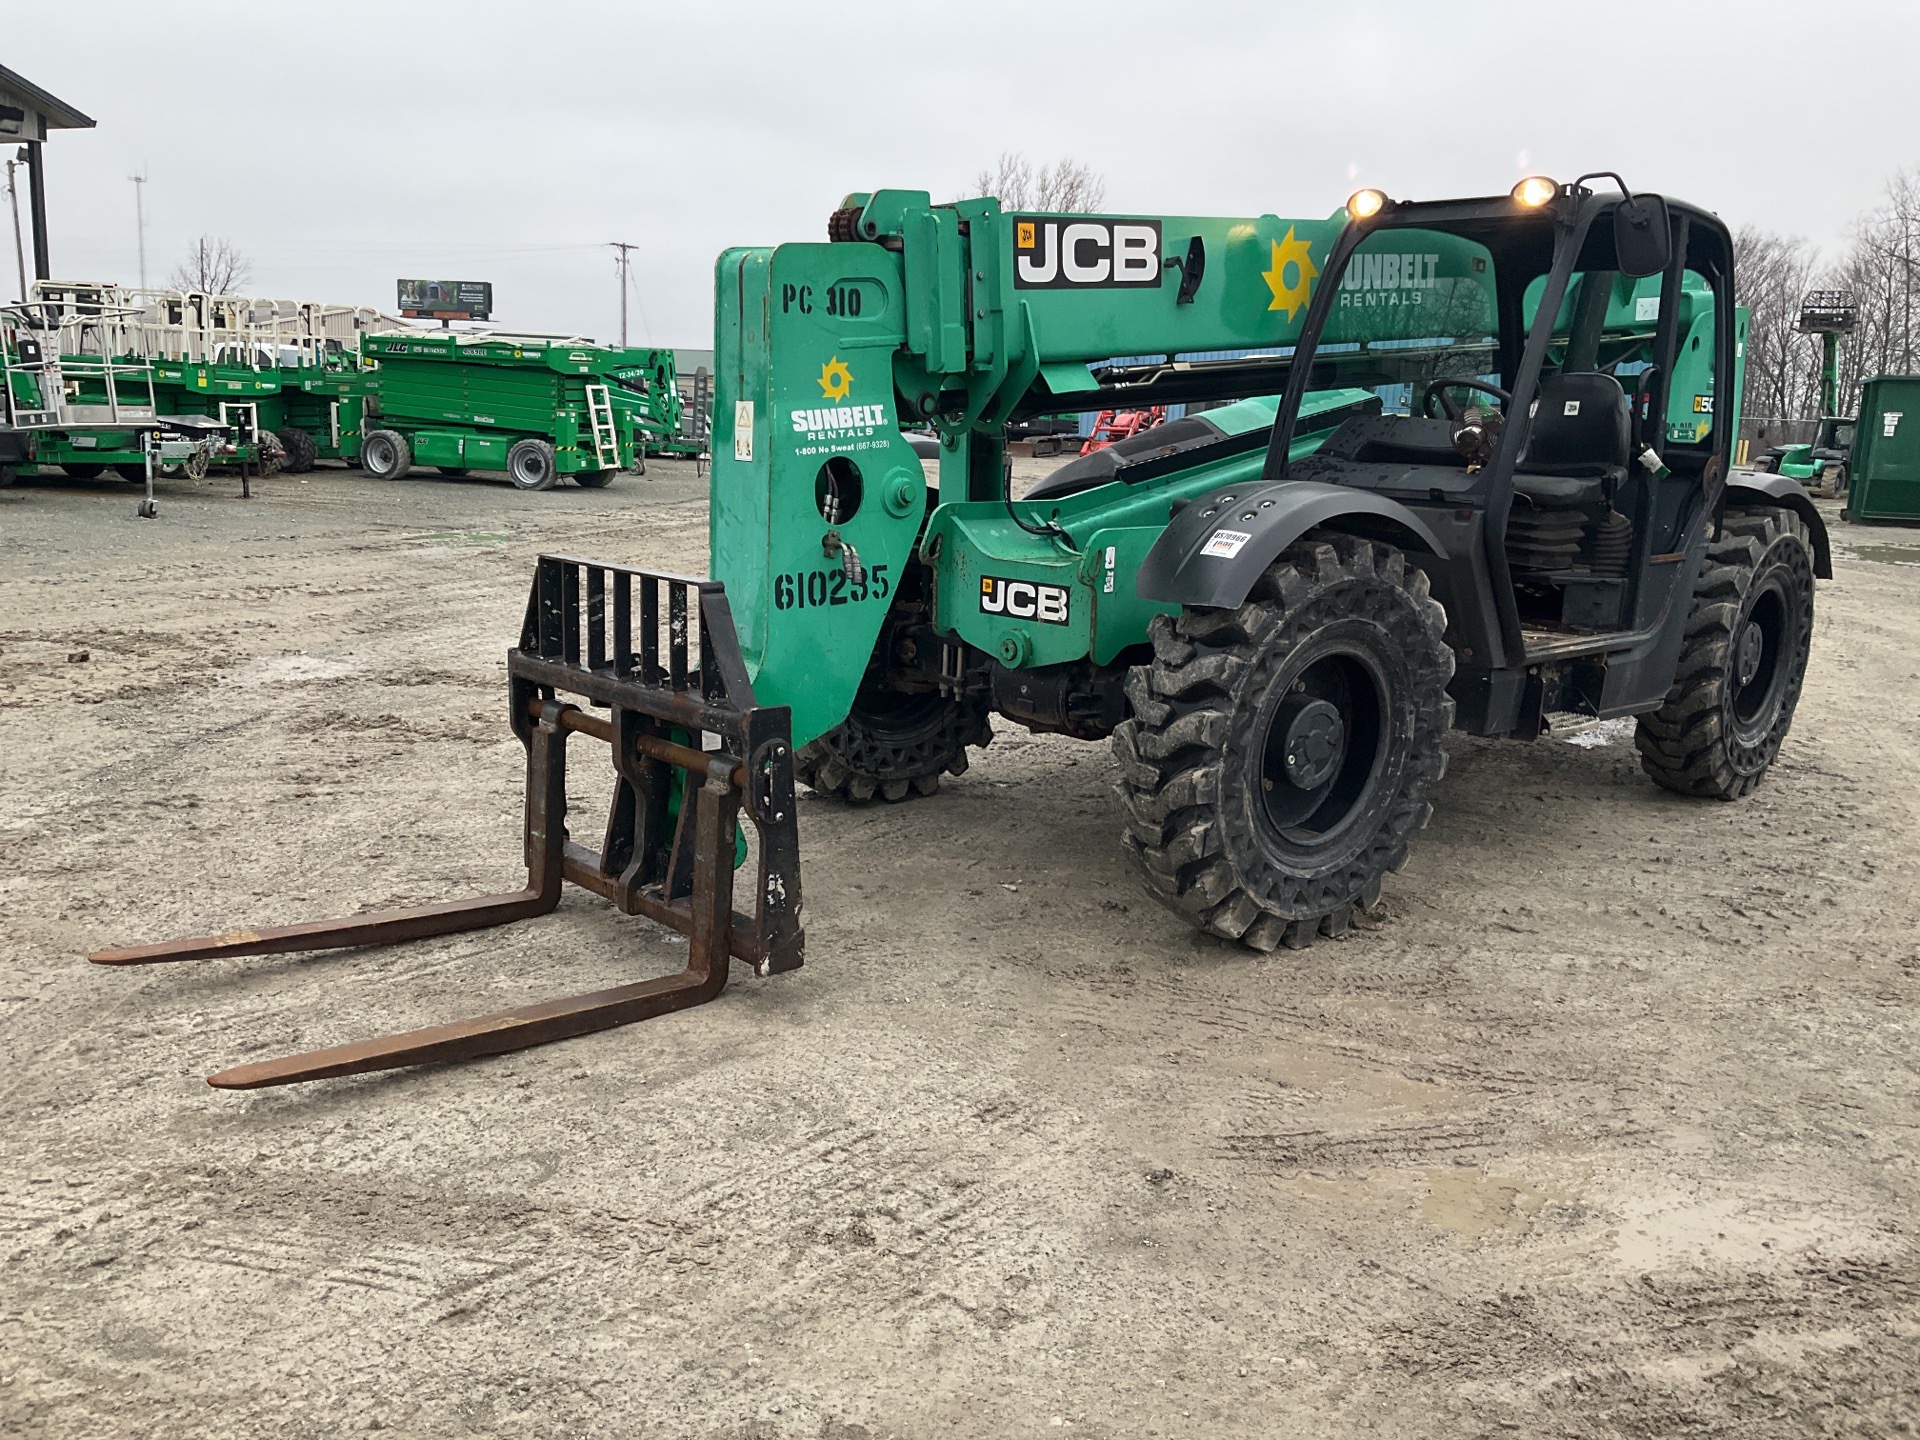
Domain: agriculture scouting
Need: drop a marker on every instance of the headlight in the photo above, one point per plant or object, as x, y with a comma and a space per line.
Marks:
1535, 191
1365, 204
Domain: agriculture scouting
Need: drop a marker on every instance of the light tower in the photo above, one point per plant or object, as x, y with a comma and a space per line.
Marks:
140, 220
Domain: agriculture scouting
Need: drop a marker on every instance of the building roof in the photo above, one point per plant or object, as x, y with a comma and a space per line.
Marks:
56, 112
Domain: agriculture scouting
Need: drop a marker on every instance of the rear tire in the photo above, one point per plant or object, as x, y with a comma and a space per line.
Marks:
87, 471
893, 746
137, 474
385, 455
530, 465
301, 450
454, 472
594, 479
1279, 755
1743, 662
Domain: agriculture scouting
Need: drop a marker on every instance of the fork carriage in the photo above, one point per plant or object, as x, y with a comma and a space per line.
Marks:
691, 753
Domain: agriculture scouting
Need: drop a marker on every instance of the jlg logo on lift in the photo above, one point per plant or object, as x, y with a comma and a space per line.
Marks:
1054, 254
1023, 600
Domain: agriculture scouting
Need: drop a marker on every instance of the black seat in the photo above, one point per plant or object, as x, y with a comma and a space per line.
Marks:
1577, 448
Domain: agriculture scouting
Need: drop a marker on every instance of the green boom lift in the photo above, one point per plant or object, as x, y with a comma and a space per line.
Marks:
1275, 608
540, 407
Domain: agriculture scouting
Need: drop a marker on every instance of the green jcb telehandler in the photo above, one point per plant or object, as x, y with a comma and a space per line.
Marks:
1824, 460
1276, 608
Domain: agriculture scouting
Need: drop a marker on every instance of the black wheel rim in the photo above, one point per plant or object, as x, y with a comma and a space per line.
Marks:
1759, 661
1325, 744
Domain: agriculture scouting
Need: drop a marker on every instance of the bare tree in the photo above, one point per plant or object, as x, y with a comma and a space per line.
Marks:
1882, 269
1783, 366
1066, 186
213, 267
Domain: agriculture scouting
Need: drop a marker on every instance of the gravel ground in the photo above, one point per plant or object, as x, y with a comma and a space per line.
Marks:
1607, 1128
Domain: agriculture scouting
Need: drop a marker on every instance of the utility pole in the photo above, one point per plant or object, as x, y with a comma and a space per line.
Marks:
623, 267
19, 247
140, 215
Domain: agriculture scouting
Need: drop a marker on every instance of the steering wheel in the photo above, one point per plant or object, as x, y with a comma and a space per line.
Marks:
1441, 386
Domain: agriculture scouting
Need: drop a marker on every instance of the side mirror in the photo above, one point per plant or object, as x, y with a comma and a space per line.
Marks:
1642, 236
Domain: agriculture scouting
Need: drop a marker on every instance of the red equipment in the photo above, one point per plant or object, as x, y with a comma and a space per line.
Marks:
1122, 425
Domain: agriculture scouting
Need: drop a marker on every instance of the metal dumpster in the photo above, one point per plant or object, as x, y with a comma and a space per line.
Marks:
1885, 460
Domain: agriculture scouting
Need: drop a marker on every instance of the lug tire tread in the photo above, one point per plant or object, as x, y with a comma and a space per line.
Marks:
855, 762
1688, 745
1172, 752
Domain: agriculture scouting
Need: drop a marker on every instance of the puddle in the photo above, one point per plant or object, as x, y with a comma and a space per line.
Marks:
1887, 554
1476, 1205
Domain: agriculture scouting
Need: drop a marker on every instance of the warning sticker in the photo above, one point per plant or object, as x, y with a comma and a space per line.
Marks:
1890, 422
1226, 543
743, 430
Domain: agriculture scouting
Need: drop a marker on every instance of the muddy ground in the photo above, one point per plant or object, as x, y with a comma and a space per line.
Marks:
1608, 1128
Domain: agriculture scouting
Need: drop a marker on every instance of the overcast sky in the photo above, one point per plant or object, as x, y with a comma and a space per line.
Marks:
346, 145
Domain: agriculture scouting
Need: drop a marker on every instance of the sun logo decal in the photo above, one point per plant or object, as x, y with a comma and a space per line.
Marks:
1299, 254
836, 381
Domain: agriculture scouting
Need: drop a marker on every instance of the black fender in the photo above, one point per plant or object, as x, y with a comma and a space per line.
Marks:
1763, 487
1214, 548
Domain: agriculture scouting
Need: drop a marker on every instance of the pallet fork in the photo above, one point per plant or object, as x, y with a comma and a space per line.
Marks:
669, 850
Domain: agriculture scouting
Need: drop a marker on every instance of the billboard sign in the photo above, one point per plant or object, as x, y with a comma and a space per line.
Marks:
446, 299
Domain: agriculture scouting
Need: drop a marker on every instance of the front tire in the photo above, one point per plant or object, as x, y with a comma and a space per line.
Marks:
87, 471
893, 745
1279, 755
1743, 662
385, 455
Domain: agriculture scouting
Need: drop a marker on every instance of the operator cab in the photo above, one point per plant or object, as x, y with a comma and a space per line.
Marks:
1527, 354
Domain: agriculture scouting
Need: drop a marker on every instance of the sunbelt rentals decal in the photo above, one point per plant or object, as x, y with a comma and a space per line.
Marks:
1389, 278
839, 426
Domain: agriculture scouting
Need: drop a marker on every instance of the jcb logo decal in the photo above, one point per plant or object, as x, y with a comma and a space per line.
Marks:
1051, 253
1023, 600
